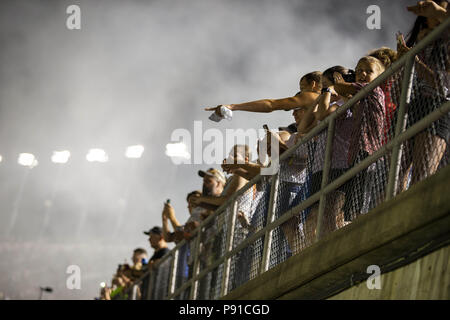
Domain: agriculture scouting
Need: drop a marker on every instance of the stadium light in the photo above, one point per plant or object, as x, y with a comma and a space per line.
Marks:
97, 155
60, 156
102, 284
27, 160
134, 152
177, 150
1, 158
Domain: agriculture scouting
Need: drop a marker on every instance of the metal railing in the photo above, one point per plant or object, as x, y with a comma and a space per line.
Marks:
187, 273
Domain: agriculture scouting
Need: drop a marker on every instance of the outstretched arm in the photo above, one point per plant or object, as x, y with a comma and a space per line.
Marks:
268, 105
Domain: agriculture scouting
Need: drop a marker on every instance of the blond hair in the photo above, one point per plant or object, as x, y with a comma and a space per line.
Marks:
371, 59
386, 55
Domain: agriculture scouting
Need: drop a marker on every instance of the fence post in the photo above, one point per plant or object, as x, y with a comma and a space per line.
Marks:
151, 283
173, 272
134, 292
270, 217
196, 267
228, 248
325, 175
394, 166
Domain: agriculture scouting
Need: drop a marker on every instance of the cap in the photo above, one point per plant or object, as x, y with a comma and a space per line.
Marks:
292, 128
213, 173
156, 229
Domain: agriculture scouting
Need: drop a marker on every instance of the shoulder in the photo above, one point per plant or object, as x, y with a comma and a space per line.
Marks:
308, 95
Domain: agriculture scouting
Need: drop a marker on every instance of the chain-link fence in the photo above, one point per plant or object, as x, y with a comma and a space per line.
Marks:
160, 280
393, 133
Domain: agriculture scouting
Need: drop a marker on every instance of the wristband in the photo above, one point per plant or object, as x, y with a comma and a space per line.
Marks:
326, 90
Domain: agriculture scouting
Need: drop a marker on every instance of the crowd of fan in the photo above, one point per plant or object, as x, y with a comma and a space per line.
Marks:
359, 132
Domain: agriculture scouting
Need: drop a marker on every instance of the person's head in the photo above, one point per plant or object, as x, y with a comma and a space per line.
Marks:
240, 153
118, 281
190, 226
138, 255
155, 237
368, 68
328, 80
190, 196
311, 82
213, 182
284, 135
423, 24
298, 114
292, 128
386, 55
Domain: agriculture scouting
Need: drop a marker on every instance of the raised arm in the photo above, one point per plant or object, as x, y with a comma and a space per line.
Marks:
169, 215
245, 170
167, 235
343, 88
324, 109
236, 183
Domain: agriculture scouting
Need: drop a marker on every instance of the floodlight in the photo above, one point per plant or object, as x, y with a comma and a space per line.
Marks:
134, 152
27, 160
177, 150
60, 156
97, 155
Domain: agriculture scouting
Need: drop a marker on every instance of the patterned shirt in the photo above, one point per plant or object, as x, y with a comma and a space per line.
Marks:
369, 123
341, 142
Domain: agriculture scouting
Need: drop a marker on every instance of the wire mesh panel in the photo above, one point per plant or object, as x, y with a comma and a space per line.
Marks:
161, 279
184, 265
209, 286
244, 214
294, 187
184, 295
252, 210
245, 264
144, 286
212, 248
260, 206
428, 149
359, 133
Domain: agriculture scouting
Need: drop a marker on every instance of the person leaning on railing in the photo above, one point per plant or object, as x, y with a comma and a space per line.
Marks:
120, 284
430, 88
196, 215
157, 242
369, 122
328, 102
391, 88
